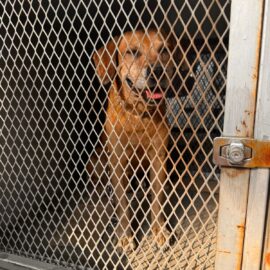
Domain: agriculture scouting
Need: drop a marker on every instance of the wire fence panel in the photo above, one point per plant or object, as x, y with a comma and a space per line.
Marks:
108, 114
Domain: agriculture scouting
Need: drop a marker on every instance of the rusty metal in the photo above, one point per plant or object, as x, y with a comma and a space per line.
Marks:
241, 152
267, 260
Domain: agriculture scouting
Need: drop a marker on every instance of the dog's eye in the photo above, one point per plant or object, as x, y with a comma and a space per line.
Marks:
134, 52
163, 51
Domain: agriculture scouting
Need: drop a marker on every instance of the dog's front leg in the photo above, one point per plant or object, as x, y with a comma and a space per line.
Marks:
158, 178
120, 183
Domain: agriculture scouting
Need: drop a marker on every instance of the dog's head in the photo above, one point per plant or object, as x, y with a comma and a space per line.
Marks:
143, 63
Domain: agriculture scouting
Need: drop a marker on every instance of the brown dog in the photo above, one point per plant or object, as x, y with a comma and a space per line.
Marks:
139, 66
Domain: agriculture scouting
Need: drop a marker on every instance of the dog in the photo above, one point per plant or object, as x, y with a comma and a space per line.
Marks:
139, 65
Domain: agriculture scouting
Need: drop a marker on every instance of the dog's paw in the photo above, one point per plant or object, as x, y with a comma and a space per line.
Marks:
125, 244
161, 237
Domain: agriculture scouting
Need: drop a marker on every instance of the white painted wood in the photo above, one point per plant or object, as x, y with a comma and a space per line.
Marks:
245, 31
256, 214
259, 180
266, 255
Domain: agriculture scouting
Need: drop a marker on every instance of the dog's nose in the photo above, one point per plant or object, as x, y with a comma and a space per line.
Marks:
155, 72
158, 71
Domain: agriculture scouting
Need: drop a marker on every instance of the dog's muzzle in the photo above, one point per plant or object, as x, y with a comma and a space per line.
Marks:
156, 85
153, 94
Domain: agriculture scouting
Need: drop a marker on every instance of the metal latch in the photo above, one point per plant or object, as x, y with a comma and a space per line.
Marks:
241, 152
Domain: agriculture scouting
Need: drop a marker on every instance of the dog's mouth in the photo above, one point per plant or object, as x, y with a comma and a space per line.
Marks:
151, 95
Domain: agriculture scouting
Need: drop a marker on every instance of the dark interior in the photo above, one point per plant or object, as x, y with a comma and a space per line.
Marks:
53, 106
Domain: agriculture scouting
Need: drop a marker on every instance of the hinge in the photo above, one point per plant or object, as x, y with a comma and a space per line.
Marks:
241, 152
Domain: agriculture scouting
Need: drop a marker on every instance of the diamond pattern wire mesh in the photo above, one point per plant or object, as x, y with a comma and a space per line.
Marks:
57, 203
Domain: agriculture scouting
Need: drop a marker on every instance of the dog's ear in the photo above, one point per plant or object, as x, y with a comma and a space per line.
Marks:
105, 61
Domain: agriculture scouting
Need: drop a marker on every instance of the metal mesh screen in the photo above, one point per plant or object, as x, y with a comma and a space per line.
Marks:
57, 201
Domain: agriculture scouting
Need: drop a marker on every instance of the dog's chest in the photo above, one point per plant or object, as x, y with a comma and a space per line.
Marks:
141, 134
136, 131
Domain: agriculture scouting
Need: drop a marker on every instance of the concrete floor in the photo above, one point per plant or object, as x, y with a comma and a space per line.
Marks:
90, 228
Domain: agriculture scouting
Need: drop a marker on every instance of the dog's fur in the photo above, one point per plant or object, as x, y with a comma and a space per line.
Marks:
139, 66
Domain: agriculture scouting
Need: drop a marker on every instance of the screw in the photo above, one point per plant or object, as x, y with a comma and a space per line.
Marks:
236, 152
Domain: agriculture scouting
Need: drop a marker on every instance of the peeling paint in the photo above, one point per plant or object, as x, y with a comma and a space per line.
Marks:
247, 112
244, 124
237, 129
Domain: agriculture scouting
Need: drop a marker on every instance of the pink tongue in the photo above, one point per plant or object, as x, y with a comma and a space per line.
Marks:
151, 95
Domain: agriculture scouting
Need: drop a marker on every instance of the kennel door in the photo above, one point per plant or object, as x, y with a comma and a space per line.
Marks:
243, 192
52, 111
